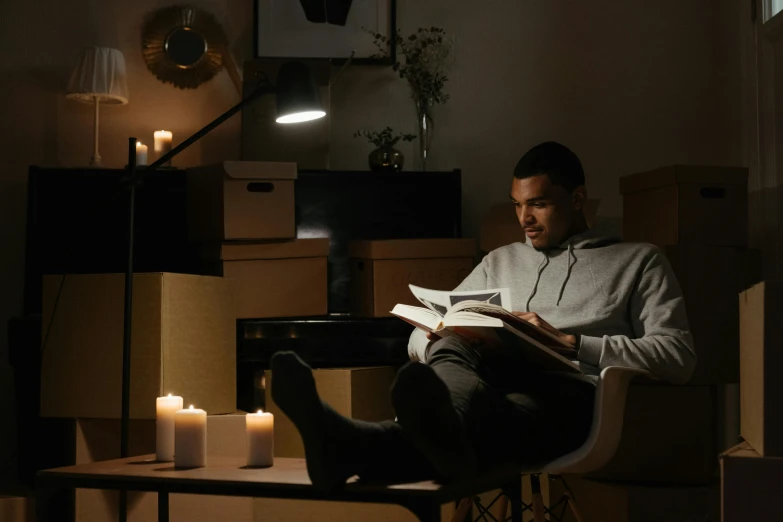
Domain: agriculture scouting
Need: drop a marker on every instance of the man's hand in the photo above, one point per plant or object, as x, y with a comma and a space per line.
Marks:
533, 318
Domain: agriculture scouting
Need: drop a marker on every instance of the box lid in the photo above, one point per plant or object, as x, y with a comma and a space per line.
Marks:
683, 174
255, 169
412, 248
742, 449
317, 247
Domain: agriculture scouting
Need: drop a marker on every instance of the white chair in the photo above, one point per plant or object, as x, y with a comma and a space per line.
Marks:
599, 448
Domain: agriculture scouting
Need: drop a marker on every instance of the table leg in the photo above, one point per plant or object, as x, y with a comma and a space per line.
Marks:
163, 506
514, 493
53, 503
123, 507
42, 496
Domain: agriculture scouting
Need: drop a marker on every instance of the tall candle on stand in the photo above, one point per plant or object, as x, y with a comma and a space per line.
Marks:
141, 153
190, 438
165, 409
163, 144
260, 429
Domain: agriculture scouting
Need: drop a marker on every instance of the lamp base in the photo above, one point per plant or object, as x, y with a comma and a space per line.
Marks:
95, 161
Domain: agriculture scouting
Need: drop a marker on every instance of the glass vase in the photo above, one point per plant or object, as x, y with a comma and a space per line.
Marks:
426, 129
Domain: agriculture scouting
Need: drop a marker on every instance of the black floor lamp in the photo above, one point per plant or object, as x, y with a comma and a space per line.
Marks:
297, 101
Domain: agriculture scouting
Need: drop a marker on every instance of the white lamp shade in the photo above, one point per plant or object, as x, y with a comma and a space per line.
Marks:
99, 73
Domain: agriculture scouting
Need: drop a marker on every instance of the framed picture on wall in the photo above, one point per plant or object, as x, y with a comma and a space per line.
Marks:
323, 28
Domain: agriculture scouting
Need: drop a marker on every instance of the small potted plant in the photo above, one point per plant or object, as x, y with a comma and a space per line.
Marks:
385, 157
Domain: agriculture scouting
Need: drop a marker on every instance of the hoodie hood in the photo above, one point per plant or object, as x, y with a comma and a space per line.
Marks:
602, 233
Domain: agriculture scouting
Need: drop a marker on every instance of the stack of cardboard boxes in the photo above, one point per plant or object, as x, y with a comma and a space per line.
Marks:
672, 435
243, 214
752, 471
183, 342
183, 330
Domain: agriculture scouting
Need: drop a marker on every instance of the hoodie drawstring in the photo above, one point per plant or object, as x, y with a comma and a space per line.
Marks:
541, 267
570, 260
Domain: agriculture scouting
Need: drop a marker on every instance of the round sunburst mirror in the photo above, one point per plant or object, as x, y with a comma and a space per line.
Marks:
183, 46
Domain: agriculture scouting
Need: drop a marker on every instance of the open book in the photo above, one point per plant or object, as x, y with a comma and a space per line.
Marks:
485, 315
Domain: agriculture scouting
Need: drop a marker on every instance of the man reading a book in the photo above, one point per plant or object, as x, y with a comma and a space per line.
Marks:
464, 408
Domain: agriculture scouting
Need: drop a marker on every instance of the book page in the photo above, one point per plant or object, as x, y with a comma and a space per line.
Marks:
419, 317
441, 302
488, 309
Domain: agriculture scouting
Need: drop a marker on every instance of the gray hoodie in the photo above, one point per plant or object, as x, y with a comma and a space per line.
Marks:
621, 298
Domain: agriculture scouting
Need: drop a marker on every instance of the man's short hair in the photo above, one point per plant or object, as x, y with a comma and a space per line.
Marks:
556, 161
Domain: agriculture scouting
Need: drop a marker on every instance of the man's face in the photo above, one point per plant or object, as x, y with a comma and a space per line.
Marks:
546, 212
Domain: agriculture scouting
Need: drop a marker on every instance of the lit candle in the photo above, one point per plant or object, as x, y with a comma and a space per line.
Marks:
141, 153
260, 429
165, 408
190, 438
163, 143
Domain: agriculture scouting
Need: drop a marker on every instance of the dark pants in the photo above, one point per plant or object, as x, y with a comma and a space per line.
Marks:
516, 417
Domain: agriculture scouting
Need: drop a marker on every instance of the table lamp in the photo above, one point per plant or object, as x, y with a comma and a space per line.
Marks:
99, 77
298, 101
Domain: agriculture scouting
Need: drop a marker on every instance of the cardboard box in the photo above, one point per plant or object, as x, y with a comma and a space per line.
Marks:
750, 485
669, 437
280, 279
183, 342
606, 502
358, 393
711, 278
761, 359
681, 204
237, 200
500, 226
99, 439
382, 270
15, 509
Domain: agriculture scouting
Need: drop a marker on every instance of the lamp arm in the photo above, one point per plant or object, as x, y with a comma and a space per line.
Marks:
265, 88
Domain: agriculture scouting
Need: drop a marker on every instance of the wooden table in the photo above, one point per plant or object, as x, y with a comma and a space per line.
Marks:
286, 479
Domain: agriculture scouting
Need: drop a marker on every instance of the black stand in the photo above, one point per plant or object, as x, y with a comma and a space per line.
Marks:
135, 177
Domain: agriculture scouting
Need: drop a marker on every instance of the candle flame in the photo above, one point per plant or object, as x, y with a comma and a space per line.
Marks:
260, 411
138, 143
191, 406
169, 395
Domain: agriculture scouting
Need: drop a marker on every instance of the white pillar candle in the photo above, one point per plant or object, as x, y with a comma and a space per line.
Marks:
260, 429
165, 408
163, 143
141, 153
190, 438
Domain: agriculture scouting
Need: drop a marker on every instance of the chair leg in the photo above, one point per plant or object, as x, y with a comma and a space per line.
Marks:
463, 508
539, 514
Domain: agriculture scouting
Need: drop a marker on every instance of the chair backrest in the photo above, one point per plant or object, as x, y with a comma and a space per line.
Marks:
607, 427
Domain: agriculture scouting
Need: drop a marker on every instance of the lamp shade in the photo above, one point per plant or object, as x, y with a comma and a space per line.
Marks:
297, 94
99, 74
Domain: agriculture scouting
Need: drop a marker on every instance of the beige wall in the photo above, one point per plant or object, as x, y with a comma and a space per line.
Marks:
628, 85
